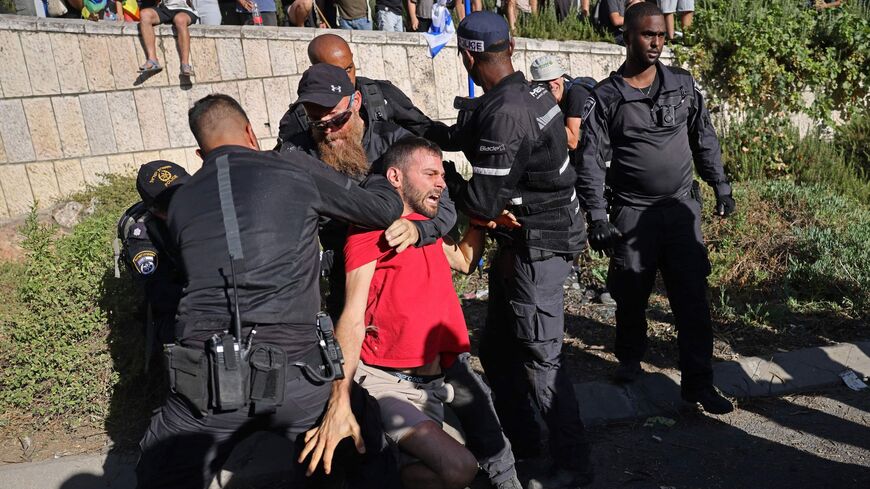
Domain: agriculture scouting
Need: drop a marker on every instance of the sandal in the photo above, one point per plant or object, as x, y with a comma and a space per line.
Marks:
150, 66
187, 70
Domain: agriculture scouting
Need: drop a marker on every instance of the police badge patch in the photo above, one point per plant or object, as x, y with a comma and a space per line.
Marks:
145, 262
587, 108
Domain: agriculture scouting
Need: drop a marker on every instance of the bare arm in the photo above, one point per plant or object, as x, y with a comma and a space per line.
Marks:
572, 127
616, 19
412, 14
464, 255
339, 422
823, 5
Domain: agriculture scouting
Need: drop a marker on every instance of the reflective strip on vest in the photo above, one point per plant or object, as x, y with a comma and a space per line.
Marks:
495, 172
564, 165
546, 118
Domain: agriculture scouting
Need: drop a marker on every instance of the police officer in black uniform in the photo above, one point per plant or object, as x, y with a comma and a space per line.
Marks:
267, 211
149, 254
515, 139
381, 100
653, 116
324, 94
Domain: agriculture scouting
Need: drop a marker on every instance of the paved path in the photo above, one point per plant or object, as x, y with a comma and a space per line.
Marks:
804, 441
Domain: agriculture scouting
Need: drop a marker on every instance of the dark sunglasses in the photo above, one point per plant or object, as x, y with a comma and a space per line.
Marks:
336, 121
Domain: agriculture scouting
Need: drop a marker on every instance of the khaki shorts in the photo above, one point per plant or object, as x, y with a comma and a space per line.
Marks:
404, 404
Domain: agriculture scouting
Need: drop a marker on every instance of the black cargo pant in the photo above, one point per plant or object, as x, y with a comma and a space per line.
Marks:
521, 348
666, 238
472, 404
183, 450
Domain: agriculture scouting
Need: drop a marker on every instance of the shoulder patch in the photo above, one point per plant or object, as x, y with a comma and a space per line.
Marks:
138, 231
587, 107
145, 262
488, 147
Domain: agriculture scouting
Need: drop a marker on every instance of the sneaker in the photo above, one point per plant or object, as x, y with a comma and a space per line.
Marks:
627, 372
563, 479
710, 399
186, 70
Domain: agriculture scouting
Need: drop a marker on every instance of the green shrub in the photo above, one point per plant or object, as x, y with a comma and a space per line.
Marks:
56, 351
546, 26
765, 55
769, 146
853, 138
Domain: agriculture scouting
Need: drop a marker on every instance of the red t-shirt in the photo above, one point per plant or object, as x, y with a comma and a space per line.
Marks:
412, 302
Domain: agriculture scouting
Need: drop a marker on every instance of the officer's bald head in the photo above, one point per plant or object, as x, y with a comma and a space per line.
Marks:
218, 120
333, 50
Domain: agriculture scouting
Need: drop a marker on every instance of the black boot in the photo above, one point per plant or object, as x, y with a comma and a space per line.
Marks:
711, 399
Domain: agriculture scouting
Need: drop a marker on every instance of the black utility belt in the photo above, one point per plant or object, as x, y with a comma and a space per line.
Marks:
693, 193
228, 375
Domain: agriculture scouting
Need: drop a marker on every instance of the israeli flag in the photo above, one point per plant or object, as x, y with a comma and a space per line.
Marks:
441, 30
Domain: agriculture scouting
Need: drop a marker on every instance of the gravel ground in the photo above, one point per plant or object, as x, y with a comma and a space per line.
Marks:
807, 441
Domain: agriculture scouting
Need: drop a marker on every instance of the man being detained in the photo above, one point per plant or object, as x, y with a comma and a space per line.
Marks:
401, 325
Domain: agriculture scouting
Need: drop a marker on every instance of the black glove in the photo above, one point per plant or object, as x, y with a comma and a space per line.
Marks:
725, 204
455, 182
603, 235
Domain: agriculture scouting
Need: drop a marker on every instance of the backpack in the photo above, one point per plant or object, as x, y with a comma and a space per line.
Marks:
134, 214
586, 82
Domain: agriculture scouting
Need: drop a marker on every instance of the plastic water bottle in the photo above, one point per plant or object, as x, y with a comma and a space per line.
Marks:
256, 16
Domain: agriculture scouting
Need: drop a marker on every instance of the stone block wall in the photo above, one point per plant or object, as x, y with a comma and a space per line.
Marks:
72, 105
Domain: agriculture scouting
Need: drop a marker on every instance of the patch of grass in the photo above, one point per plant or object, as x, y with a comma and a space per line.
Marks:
56, 349
790, 249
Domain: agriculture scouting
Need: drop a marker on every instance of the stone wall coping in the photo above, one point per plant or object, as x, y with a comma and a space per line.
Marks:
78, 26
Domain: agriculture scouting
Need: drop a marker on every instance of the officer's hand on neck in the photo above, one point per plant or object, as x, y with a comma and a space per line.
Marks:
402, 234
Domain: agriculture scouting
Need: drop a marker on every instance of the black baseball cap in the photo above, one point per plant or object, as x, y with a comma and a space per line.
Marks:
324, 85
156, 177
483, 31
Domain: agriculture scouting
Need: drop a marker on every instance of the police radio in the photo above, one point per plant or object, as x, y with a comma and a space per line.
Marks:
330, 350
229, 367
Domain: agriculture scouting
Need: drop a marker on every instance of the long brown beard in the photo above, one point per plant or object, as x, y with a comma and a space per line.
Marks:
350, 157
